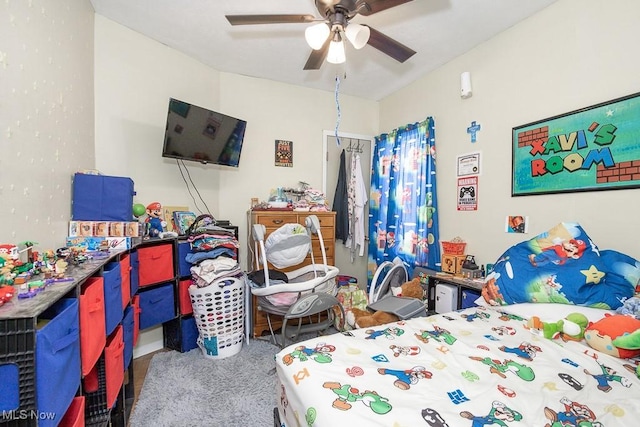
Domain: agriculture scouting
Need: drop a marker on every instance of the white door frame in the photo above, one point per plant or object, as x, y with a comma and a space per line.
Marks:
325, 141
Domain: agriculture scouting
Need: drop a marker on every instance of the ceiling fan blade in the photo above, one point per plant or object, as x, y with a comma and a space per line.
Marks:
389, 46
369, 7
317, 57
269, 19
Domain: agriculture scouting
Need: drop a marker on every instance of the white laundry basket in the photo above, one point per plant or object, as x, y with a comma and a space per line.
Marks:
218, 310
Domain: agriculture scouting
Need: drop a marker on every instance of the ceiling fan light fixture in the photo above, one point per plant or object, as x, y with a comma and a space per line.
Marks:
336, 53
316, 35
358, 35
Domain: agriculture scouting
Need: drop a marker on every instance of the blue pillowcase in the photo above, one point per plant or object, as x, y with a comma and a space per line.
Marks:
563, 266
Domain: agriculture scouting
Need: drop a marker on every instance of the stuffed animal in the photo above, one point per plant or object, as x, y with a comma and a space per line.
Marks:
410, 289
154, 219
155, 224
571, 327
365, 319
616, 334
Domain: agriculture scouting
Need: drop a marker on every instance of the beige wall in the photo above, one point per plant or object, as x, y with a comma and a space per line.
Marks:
135, 77
573, 54
583, 51
46, 115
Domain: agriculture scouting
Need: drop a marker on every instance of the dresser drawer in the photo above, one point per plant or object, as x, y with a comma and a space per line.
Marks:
274, 221
325, 220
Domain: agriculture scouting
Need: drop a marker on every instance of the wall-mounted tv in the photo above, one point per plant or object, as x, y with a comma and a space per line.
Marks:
197, 134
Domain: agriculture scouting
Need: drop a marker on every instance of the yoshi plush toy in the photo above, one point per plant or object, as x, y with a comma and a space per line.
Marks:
571, 327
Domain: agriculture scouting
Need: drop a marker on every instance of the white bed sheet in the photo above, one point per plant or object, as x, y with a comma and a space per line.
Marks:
478, 366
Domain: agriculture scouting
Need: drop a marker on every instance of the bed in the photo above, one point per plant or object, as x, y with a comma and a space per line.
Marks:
480, 366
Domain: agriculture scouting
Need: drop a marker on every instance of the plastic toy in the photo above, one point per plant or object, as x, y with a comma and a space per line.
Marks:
571, 327
138, 210
617, 335
154, 219
6, 293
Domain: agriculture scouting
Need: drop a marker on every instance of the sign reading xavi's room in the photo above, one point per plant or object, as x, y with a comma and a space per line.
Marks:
595, 148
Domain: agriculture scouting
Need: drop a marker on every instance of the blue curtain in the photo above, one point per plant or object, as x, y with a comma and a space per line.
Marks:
403, 213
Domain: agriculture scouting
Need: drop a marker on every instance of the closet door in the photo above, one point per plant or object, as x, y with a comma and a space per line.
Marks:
352, 144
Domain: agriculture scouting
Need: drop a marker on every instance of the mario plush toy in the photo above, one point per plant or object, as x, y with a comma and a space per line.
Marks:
154, 219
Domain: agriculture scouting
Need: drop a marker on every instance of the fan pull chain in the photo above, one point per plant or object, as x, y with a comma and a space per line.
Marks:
338, 110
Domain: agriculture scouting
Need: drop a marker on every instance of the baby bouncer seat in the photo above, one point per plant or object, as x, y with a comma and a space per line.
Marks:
303, 293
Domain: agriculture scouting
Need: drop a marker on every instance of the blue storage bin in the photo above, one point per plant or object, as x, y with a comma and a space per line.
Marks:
128, 326
58, 360
9, 387
112, 296
135, 280
157, 305
184, 268
189, 336
102, 198
468, 298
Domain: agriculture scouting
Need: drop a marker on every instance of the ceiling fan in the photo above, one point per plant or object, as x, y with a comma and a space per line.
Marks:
325, 37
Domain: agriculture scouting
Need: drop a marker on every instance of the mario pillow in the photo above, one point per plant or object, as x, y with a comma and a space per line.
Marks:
563, 266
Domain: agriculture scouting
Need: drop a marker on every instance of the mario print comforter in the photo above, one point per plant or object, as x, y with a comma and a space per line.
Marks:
475, 367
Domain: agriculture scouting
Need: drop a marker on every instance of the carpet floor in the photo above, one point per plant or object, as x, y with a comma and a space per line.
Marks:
188, 389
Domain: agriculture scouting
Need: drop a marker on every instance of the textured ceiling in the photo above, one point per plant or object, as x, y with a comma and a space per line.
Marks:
438, 30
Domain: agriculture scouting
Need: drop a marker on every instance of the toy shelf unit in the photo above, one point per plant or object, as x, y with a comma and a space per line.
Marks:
272, 220
58, 357
68, 350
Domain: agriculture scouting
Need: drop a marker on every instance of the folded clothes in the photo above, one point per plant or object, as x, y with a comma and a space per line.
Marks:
212, 269
197, 257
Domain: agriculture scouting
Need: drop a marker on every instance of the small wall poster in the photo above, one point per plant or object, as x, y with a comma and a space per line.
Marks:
284, 153
469, 164
517, 224
468, 193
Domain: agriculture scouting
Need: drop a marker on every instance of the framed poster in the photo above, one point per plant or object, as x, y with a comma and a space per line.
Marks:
284, 153
595, 148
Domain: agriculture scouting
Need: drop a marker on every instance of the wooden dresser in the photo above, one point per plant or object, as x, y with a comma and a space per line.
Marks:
272, 220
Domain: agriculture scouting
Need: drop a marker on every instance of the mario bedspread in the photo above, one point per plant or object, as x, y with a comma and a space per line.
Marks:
562, 265
475, 367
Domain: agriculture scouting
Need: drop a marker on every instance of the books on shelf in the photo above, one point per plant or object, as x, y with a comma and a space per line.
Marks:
167, 215
182, 220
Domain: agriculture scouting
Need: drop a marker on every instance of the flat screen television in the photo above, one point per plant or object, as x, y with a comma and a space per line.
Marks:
197, 134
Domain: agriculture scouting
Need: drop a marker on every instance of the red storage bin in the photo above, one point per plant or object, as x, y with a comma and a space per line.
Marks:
74, 417
155, 264
92, 323
114, 365
125, 274
184, 298
135, 302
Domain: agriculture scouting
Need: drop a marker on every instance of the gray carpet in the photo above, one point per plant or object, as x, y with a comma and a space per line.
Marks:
187, 389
